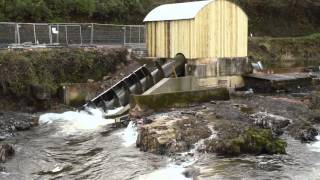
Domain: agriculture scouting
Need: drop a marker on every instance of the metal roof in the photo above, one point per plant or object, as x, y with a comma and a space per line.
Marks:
178, 11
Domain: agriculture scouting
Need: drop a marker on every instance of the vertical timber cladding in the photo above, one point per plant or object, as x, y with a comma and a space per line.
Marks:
219, 30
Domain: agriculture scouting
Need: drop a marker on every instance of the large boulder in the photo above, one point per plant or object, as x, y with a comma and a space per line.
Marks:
171, 134
303, 131
6, 151
270, 121
234, 140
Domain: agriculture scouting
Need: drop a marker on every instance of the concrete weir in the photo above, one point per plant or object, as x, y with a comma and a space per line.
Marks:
178, 92
269, 83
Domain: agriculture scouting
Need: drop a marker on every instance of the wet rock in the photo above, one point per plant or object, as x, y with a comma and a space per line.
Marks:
10, 122
22, 126
2, 169
270, 121
6, 151
147, 121
191, 172
234, 140
303, 131
2, 138
170, 135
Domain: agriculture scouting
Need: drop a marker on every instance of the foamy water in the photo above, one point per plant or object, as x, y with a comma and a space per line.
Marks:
315, 147
79, 121
129, 135
172, 171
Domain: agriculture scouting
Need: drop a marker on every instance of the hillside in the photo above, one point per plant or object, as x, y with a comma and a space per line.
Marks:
267, 17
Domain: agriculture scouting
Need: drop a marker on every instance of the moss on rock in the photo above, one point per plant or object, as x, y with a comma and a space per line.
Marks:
250, 141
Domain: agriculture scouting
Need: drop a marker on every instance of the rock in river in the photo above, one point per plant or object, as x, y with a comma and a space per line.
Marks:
6, 151
303, 131
171, 133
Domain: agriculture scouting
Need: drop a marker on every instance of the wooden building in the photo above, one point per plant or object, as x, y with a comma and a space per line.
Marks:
200, 29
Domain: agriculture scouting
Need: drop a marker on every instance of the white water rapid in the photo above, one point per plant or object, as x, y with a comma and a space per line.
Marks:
73, 122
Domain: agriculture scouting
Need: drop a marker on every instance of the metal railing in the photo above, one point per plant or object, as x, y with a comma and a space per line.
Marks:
65, 34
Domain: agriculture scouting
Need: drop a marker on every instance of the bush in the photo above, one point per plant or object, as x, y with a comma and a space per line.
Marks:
21, 70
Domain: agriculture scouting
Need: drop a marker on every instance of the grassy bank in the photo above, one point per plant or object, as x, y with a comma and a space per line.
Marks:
286, 51
37, 74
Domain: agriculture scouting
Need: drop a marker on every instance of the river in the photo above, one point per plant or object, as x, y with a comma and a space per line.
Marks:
77, 145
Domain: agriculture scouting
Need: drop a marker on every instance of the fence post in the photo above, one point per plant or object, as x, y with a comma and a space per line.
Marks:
139, 35
15, 34
50, 34
130, 35
66, 29
18, 33
91, 40
124, 35
80, 35
34, 34
58, 29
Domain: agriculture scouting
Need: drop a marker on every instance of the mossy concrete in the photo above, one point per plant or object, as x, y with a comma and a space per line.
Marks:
178, 92
179, 99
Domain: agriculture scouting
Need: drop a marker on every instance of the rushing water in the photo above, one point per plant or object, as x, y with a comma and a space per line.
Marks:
82, 145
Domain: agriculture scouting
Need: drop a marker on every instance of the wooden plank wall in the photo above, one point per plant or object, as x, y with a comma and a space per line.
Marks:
219, 30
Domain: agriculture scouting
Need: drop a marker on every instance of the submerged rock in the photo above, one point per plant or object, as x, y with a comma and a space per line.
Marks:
303, 131
191, 172
6, 151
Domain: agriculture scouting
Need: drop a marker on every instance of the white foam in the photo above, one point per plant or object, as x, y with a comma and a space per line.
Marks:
73, 122
315, 147
129, 135
170, 172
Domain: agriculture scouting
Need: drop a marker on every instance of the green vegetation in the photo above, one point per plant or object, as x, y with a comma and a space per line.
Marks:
106, 11
47, 69
250, 141
266, 17
286, 51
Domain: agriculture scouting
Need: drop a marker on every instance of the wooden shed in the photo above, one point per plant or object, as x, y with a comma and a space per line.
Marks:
200, 29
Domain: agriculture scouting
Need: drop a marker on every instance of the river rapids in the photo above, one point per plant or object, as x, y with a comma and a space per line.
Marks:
84, 145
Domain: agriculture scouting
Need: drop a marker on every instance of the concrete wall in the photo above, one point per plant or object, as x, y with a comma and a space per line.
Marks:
166, 85
178, 99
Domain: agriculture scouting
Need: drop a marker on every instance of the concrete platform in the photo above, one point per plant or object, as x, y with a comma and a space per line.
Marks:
268, 83
178, 92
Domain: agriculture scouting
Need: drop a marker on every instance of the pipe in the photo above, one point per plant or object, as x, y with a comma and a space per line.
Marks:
137, 83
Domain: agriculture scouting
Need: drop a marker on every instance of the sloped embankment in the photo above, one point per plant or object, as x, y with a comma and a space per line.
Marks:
286, 51
31, 78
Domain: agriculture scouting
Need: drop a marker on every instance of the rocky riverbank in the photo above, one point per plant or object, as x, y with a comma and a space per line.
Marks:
247, 124
12, 122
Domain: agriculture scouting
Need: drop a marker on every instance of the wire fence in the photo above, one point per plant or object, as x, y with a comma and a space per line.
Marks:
84, 34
